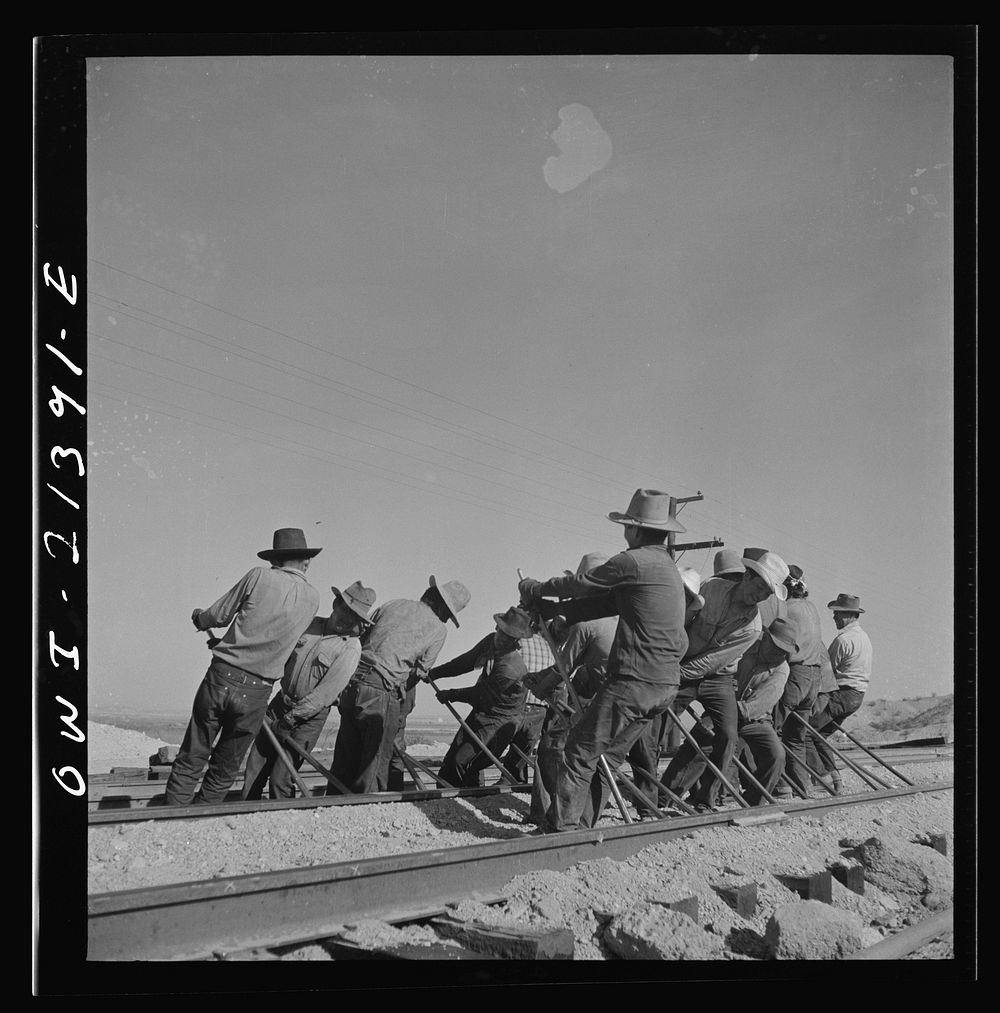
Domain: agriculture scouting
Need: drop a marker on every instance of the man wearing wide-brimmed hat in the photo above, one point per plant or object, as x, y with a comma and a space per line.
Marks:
728, 565
584, 649
269, 609
805, 668
761, 676
323, 661
497, 698
718, 637
644, 756
401, 648
851, 657
642, 586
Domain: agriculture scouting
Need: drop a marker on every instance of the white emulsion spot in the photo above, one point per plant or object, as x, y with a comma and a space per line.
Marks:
584, 148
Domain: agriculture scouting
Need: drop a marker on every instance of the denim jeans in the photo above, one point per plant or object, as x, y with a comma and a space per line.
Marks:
393, 775
616, 717
717, 695
464, 759
766, 759
263, 764
526, 737
835, 706
230, 705
798, 698
369, 717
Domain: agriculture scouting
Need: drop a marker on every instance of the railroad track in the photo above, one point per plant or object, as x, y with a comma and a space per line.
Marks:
209, 919
117, 801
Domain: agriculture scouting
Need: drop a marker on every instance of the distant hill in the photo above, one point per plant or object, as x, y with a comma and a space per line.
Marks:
899, 720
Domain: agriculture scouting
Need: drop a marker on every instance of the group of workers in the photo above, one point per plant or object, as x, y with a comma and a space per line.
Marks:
590, 670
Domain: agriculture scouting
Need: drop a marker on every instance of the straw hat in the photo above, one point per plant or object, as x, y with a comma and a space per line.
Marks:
649, 508
771, 567
846, 603
358, 598
454, 594
589, 561
692, 585
288, 543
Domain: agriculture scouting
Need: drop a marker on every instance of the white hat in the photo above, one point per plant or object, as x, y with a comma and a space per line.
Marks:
771, 567
692, 585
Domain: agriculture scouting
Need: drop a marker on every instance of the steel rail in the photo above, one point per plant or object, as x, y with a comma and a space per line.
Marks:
899, 944
98, 782
137, 795
196, 920
238, 806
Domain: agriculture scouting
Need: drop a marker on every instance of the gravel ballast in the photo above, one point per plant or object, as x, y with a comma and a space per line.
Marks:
616, 910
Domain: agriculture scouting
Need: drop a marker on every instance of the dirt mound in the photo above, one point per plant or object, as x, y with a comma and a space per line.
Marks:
899, 720
108, 746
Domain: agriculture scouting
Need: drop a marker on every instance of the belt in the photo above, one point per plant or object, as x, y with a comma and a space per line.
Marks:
240, 675
368, 677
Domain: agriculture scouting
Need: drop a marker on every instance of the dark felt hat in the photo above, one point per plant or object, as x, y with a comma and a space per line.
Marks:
785, 634
288, 543
845, 603
515, 622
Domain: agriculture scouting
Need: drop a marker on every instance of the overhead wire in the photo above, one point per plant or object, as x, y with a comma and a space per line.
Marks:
362, 365
325, 411
754, 537
327, 457
355, 392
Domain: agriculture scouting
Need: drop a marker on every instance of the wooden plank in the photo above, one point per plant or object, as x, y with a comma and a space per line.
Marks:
742, 898
815, 886
509, 942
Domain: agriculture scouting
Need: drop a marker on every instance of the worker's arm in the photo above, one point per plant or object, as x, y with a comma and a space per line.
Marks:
466, 694
337, 671
463, 663
761, 701
720, 655
221, 613
425, 662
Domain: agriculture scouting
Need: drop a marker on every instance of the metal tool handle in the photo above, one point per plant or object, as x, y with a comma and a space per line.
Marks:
283, 756
475, 738
869, 778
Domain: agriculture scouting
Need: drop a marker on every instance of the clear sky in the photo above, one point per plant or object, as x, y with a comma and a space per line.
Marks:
444, 314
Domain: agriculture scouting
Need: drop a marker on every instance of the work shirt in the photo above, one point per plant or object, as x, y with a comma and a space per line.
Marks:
319, 668
851, 657
584, 655
500, 689
644, 589
403, 644
805, 617
720, 633
770, 609
272, 608
537, 657
758, 685
827, 680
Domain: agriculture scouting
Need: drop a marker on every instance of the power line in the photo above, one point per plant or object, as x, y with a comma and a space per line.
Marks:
328, 457
325, 411
362, 365
365, 396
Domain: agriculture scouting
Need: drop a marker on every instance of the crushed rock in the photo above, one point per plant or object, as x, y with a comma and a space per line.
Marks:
811, 930
653, 932
585, 898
